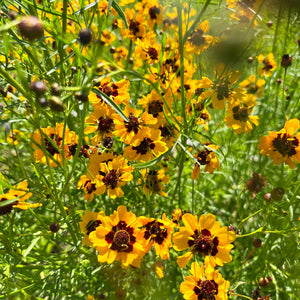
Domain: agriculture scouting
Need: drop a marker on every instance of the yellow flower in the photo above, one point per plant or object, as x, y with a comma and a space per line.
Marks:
205, 237
198, 41
14, 137
253, 86
157, 233
238, 115
20, 194
153, 182
89, 222
136, 25
54, 143
204, 283
269, 64
90, 187
284, 145
208, 158
116, 239
159, 268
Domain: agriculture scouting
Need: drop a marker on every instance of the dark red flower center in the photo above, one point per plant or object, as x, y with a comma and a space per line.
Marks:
105, 124
204, 243
144, 147
285, 144
111, 179
89, 186
166, 131
155, 107
134, 27
156, 232
6, 209
152, 52
202, 156
197, 38
222, 91
133, 124
50, 147
268, 65
206, 289
240, 113
153, 12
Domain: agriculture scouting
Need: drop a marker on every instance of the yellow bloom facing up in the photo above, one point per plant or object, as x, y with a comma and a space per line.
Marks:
159, 268
136, 25
157, 233
20, 194
90, 187
208, 158
269, 64
149, 148
198, 41
177, 216
49, 144
117, 239
253, 86
284, 145
238, 115
205, 237
204, 283
89, 222
153, 182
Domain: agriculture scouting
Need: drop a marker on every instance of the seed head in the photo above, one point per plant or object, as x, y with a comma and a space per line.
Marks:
85, 36
56, 104
54, 227
38, 87
257, 243
31, 28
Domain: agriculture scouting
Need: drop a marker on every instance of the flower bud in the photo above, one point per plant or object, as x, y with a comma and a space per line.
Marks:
286, 60
54, 227
12, 14
250, 60
85, 36
43, 102
56, 104
38, 87
270, 23
277, 193
81, 96
257, 243
55, 89
31, 28
263, 282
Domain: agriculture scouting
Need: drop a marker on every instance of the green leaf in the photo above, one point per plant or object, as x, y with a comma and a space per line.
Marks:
111, 103
120, 12
109, 6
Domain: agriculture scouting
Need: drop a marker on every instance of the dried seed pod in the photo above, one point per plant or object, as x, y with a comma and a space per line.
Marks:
277, 193
31, 28
257, 243
263, 282
56, 104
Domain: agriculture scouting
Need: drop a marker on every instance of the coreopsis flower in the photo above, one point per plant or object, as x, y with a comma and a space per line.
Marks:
238, 115
113, 174
198, 41
107, 37
101, 122
169, 132
154, 182
52, 144
18, 195
177, 216
136, 128
90, 187
205, 237
269, 64
148, 148
89, 222
158, 233
204, 283
136, 25
283, 145
15, 136
253, 86
154, 11
220, 90
117, 238
208, 158
147, 50
197, 109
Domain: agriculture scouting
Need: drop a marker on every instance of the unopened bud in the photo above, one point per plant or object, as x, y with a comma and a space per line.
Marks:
31, 28
54, 227
55, 89
263, 282
270, 24
277, 193
250, 60
38, 87
81, 96
85, 36
257, 243
56, 104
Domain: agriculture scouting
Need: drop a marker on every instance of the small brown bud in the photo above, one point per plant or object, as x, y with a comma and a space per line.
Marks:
131, 60
112, 50
54, 227
56, 104
277, 193
267, 197
31, 28
270, 23
12, 14
81, 96
257, 243
38, 87
279, 80
250, 60
270, 278
74, 70
288, 97
286, 60
85, 36
256, 183
43, 102
263, 282
55, 89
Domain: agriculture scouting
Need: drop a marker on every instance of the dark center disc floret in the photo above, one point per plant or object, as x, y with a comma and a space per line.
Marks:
105, 124
6, 209
121, 241
154, 12
50, 147
206, 289
111, 179
90, 187
133, 124
155, 107
204, 243
134, 27
156, 232
152, 52
222, 91
197, 38
285, 145
145, 145
202, 156
240, 113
